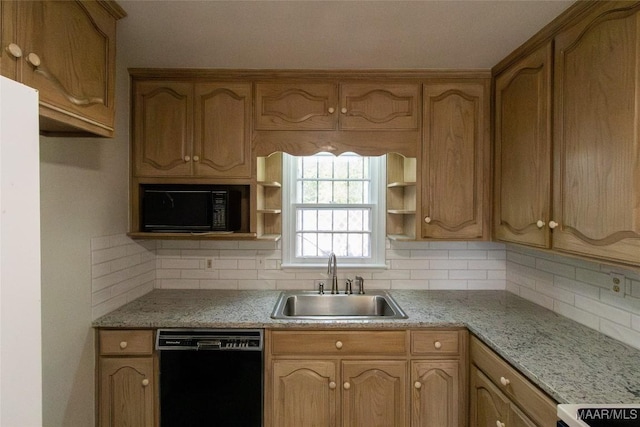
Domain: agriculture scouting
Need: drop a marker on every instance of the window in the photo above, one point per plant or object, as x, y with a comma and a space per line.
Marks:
333, 204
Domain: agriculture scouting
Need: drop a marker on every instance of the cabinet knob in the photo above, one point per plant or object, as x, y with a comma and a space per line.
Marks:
499, 424
437, 345
14, 50
123, 344
338, 345
540, 223
187, 158
504, 381
331, 110
145, 382
346, 386
33, 59
196, 158
427, 219
553, 224
417, 385
343, 110
332, 385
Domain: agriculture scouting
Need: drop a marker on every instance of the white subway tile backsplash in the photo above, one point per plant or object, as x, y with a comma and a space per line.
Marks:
467, 254
448, 265
586, 318
447, 284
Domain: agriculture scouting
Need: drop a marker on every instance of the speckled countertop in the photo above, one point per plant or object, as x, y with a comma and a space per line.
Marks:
572, 363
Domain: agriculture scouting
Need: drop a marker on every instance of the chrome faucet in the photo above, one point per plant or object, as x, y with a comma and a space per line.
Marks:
360, 284
332, 270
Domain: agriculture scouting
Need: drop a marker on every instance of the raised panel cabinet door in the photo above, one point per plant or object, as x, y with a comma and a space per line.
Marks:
69, 51
517, 418
222, 137
162, 128
596, 142
522, 165
374, 393
127, 392
305, 393
372, 106
488, 405
296, 106
455, 161
10, 50
436, 394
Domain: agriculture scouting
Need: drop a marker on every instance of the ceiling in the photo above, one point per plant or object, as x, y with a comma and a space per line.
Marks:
311, 34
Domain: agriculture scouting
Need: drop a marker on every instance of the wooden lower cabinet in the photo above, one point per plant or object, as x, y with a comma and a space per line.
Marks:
127, 392
501, 396
366, 378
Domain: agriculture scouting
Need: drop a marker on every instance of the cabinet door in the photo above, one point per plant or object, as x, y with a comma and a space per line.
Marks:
488, 405
222, 130
162, 128
69, 49
126, 392
374, 393
9, 36
436, 394
304, 393
517, 418
296, 106
596, 145
455, 161
371, 106
522, 191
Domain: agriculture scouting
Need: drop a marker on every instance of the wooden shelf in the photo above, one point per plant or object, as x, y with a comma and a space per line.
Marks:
400, 237
274, 184
401, 184
269, 211
192, 236
270, 237
401, 212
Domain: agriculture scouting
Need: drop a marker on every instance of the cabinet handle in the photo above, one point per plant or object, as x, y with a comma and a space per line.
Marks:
437, 345
196, 158
123, 344
187, 158
332, 385
34, 60
504, 381
499, 424
344, 110
346, 386
553, 224
540, 223
331, 110
145, 382
14, 50
427, 219
338, 345
417, 385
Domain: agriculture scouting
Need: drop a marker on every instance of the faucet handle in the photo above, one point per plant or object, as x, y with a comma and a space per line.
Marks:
360, 284
321, 288
348, 290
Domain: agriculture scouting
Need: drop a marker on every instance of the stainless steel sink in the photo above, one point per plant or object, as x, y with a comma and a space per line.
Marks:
311, 305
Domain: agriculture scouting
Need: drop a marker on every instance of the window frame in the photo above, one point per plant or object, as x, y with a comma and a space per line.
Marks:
377, 204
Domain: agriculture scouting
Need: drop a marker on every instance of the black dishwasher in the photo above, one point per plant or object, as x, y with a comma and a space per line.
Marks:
210, 377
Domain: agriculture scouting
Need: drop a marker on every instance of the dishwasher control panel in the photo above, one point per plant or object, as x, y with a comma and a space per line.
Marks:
210, 339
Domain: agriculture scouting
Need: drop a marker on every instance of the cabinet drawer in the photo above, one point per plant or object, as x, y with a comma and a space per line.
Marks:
435, 342
513, 384
126, 342
339, 342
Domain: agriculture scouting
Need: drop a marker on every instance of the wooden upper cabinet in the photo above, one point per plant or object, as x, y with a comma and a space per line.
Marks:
187, 129
68, 55
379, 106
522, 163
596, 146
162, 128
222, 130
296, 106
455, 166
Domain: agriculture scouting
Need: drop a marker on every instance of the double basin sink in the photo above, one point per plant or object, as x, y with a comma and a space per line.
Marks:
312, 305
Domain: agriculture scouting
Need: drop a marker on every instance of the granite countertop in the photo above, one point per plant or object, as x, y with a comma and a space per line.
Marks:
572, 363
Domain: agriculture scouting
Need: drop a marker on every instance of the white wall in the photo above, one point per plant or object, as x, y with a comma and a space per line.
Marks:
84, 194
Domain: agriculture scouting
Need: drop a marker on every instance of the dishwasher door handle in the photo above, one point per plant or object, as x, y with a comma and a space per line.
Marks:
210, 345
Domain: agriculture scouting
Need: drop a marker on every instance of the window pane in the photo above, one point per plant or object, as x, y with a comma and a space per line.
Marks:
356, 168
309, 168
341, 192
355, 192
309, 192
355, 245
325, 220
355, 220
308, 220
309, 243
340, 220
340, 244
325, 166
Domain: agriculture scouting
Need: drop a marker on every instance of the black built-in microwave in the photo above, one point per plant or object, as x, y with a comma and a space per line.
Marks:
189, 208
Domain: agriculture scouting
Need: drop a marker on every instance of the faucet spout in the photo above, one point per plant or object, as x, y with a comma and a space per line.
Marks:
332, 270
